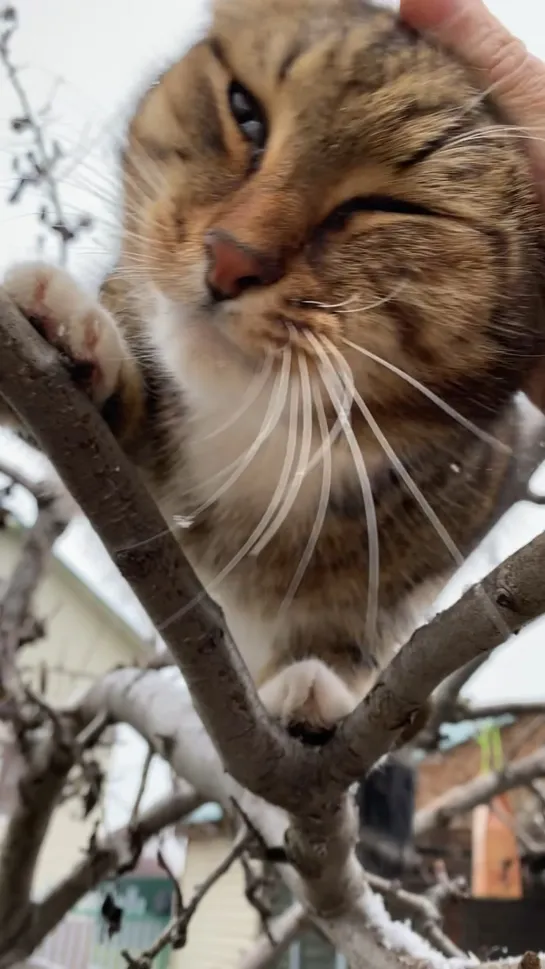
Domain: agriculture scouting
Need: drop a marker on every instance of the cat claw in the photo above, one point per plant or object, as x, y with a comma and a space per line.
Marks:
72, 321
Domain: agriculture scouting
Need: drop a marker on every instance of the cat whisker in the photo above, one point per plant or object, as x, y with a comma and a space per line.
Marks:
143, 541
431, 395
330, 377
273, 414
147, 169
323, 503
237, 466
411, 485
275, 501
335, 432
325, 306
378, 302
253, 393
302, 464
396, 463
103, 186
355, 309
493, 132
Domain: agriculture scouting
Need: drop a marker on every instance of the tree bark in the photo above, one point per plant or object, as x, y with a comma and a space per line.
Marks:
283, 930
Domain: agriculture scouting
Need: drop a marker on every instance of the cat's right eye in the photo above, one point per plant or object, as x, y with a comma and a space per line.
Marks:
248, 115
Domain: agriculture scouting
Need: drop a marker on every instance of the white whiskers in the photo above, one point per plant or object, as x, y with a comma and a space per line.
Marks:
411, 485
330, 378
321, 511
302, 463
451, 411
395, 461
357, 309
275, 501
273, 414
252, 394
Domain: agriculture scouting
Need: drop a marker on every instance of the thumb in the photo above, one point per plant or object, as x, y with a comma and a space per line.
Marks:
516, 78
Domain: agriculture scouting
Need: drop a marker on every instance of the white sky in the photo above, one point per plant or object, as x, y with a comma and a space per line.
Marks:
104, 51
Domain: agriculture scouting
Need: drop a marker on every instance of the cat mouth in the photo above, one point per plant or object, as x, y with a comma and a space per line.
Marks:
252, 327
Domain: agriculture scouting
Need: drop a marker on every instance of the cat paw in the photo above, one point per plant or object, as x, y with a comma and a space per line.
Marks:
72, 321
309, 699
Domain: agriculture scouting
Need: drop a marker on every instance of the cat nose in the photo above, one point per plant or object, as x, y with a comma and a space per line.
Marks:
234, 267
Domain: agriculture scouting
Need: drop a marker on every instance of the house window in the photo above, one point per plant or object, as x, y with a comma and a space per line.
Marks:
82, 939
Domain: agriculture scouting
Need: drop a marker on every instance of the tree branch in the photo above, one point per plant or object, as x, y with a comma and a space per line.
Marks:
162, 712
102, 482
459, 800
15, 605
116, 852
492, 711
48, 763
283, 930
423, 910
41, 161
143, 782
254, 750
307, 782
444, 702
175, 933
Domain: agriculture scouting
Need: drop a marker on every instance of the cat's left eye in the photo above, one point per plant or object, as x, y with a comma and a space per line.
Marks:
248, 115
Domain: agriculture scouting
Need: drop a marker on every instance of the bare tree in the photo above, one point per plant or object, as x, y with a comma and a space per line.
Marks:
36, 163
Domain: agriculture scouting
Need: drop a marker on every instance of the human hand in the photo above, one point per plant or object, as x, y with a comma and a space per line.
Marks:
514, 76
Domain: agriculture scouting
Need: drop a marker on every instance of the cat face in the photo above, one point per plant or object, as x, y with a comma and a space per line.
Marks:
313, 175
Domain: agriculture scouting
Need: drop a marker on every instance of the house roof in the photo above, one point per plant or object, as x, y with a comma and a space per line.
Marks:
455, 734
14, 531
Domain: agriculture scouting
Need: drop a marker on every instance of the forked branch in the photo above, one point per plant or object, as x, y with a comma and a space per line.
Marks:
310, 784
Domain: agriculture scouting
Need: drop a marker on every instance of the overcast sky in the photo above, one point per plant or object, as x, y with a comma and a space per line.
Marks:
97, 55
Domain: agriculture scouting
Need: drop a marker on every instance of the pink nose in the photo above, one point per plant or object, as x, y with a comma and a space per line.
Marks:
234, 267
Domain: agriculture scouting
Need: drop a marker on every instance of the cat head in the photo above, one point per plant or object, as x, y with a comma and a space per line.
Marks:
314, 180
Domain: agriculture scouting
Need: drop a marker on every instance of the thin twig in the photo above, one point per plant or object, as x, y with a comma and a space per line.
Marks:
142, 786
17, 595
178, 904
116, 853
423, 909
42, 162
254, 890
175, 933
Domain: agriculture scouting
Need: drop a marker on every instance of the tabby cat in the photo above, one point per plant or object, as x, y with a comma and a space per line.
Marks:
327, 296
